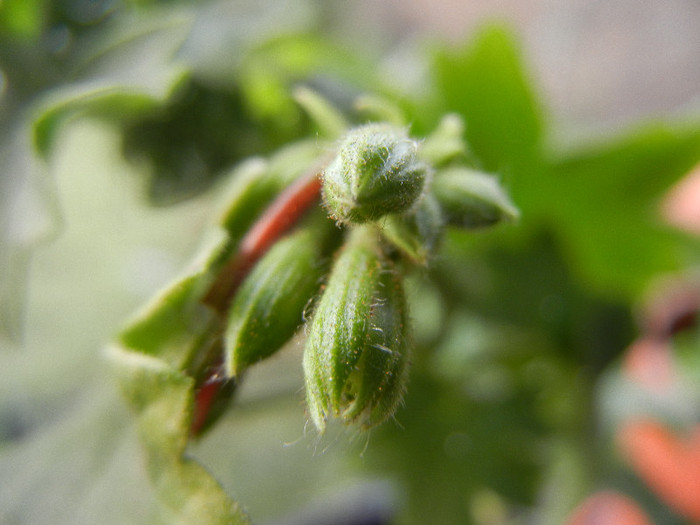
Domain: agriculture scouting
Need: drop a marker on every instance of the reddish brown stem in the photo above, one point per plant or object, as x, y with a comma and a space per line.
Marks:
204, 399
284, 212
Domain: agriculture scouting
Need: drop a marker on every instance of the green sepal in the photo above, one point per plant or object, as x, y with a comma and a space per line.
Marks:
379, 108
330, 122
472, 199
269, 306
375, 173
376, 386
446, 143
415, 234
356, 352
252, 188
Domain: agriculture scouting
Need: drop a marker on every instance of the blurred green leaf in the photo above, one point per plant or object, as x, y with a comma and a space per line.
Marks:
130, 71
162, 397
605, 203
486, 84
74, 457
22, 19
29, 215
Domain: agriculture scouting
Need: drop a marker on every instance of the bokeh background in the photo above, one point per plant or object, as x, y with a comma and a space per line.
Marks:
597, 64
524, 377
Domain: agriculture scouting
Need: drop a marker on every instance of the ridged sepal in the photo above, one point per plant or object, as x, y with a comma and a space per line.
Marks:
356, 355
269, 306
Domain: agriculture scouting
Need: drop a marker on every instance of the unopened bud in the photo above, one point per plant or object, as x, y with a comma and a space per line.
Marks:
376, 172
356, 356
269, 306
471, 199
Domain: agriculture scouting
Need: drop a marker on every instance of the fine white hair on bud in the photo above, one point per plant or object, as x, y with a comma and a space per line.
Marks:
376, 172
356, 355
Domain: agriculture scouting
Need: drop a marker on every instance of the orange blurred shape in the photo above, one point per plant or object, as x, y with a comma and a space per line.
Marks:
648, 362
681, 207
608, 508
669, 465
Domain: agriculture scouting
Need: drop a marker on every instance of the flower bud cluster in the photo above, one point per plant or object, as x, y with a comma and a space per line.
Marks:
390, 201
281, 260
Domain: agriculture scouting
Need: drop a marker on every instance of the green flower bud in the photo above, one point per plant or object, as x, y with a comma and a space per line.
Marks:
471, 199
268, 307
356, 355
376, 172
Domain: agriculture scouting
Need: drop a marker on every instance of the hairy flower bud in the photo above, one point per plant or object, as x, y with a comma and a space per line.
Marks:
269, 306
471, 199
356, 355
376, 172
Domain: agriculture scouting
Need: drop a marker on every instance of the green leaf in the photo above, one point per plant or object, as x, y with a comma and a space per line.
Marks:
131, 73
162, 397
486, 84
85, 283
23, 19
161, 355
605, 204
601, 203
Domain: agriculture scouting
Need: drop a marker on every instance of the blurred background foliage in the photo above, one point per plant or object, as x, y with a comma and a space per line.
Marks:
120, 123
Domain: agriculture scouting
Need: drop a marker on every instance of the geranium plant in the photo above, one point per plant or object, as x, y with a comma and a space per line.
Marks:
328, 292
